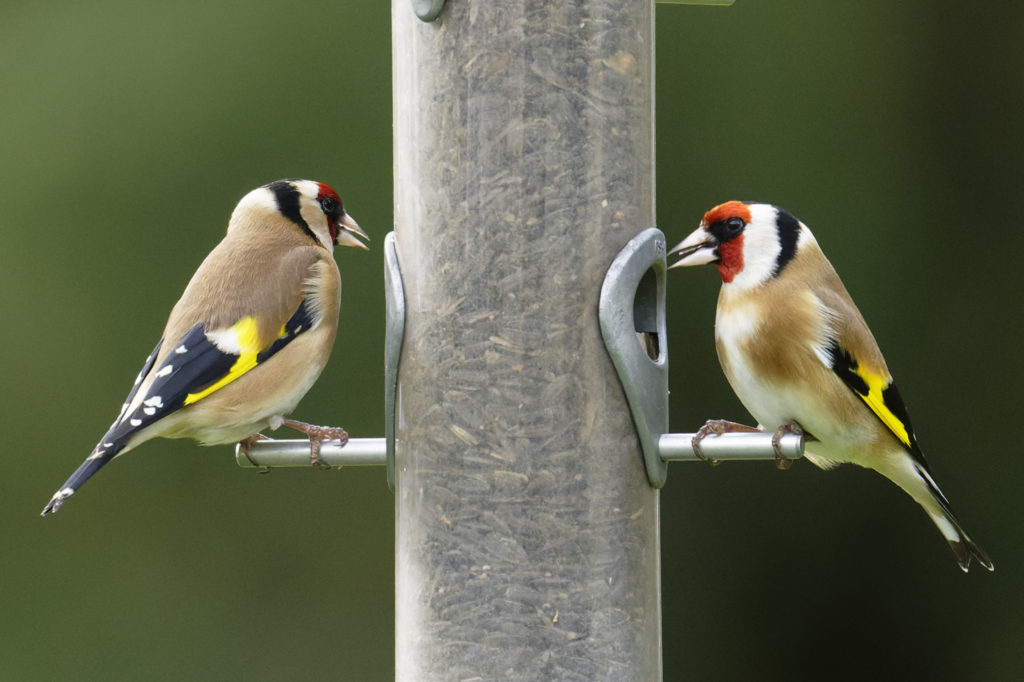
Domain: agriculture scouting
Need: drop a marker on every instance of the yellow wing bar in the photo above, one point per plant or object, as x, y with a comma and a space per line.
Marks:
875, 399
243, 336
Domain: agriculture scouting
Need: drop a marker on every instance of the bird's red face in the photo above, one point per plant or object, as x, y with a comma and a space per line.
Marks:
726, 223
343, 228
718, 240
749, 243
330, 203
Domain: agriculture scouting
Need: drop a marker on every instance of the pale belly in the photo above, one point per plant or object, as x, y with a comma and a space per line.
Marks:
811, 397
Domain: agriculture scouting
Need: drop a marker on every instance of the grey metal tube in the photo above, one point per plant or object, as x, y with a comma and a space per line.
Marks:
526, 530
678, 447
295, 453
672, 447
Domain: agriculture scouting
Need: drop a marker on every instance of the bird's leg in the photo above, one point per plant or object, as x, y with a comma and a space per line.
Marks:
246, 443
716, 427
782, 462
318, 434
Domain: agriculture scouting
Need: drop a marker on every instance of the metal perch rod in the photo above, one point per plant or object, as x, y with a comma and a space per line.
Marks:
295, 453
672, 447
678, 447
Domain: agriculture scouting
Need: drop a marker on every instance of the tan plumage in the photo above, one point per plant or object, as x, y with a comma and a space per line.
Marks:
249, 336
798, 353
786, 312
245, 406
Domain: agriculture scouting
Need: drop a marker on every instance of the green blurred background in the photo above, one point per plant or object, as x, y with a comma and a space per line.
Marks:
129, 131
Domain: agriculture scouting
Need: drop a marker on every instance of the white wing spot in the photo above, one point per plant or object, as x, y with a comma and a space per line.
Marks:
181, 349
134, 422
226, 341
165, 370
149, 410
154, 401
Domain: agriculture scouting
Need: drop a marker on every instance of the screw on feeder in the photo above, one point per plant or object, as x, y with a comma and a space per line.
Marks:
427, 10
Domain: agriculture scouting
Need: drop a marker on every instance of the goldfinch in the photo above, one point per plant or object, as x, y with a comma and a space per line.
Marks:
800, 357
249, 336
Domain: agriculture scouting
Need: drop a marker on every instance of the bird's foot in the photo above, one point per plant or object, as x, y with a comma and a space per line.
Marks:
317, 435
781, 461
716, 427
246, 444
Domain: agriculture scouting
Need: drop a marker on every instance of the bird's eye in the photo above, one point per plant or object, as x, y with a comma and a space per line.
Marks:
734, 225
328, 204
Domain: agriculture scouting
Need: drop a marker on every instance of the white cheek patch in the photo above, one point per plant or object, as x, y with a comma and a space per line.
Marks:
758, 261
309, 209
761, 248
317, 221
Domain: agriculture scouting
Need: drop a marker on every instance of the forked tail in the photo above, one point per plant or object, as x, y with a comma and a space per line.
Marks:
942, 515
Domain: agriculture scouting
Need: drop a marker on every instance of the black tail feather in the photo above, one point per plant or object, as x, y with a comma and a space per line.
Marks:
965, 549
82, 474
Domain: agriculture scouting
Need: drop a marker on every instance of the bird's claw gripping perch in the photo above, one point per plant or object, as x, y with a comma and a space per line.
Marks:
246, 445
781, 461
717, 427
317, 435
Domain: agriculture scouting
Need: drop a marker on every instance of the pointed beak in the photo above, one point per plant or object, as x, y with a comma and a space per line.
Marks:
350, 232
697, 249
